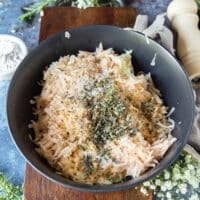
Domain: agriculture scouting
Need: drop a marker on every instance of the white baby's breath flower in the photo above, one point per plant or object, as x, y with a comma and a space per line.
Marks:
158, 182
147, 183
190, 167
194, 197
167, 175
168, 195
187, 174
168, 185
144, 190
152, 187
163, 188
177, 176
183, 188
195, 183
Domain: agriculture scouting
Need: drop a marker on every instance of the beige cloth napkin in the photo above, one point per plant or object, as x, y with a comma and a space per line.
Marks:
158, 30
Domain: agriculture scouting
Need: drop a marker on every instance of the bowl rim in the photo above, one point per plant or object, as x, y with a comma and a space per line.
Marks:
104, 187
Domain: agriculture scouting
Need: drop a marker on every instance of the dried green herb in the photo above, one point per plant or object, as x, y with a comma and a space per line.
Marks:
109, 115
88, 164
83, 147
114, 178
147, 108
105, 152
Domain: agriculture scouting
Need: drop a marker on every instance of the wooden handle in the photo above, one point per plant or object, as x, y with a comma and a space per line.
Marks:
183, 15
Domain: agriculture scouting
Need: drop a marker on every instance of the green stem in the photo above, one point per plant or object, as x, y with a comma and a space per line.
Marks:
35, 8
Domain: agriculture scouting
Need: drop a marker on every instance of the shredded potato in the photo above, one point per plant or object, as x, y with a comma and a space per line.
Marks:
97, 122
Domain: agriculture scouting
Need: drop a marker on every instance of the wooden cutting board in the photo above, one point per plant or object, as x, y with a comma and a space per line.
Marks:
37, 187
57, 19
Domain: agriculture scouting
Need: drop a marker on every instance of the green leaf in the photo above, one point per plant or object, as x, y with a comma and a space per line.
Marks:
33, 8
8, 191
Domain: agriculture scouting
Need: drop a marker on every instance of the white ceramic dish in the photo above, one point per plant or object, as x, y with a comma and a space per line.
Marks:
6, 74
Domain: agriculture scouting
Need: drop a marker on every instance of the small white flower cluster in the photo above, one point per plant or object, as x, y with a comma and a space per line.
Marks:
181, 181
93, 3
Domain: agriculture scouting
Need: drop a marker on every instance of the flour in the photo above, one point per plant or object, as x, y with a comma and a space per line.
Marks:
10, 55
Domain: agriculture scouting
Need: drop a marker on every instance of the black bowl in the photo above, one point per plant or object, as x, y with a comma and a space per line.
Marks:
167, 74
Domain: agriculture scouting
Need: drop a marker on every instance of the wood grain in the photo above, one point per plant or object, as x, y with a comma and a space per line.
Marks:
58, 19
37, 187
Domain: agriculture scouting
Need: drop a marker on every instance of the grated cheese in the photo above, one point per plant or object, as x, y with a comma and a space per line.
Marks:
64, 125
153, 62
67, 35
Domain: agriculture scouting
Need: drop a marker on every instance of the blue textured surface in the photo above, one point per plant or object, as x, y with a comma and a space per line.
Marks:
10, 10
11, 162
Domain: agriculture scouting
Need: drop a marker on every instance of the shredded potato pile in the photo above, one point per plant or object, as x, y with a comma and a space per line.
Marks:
97, 122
